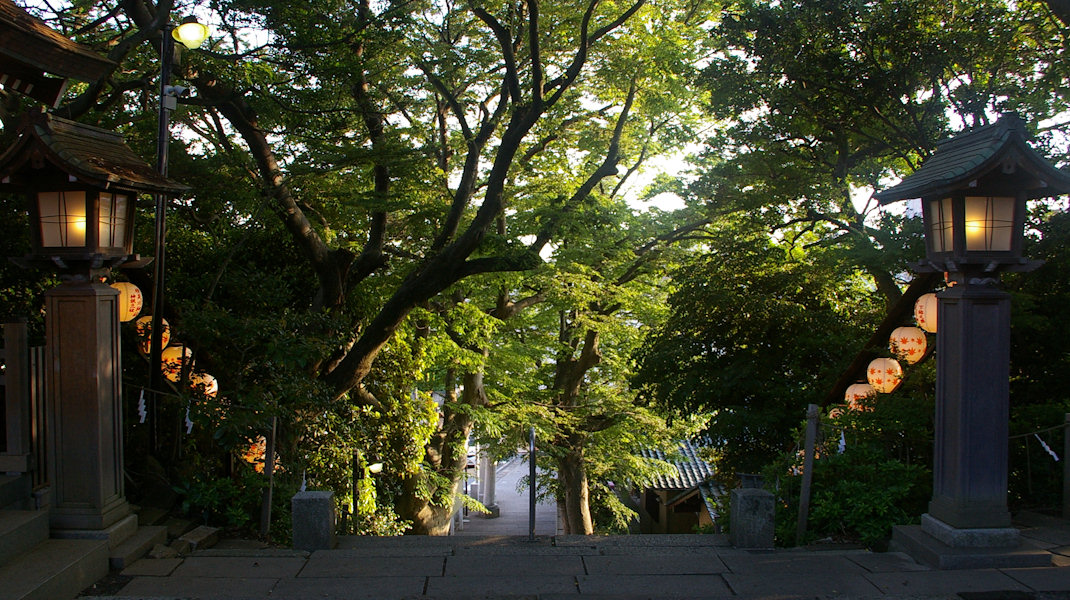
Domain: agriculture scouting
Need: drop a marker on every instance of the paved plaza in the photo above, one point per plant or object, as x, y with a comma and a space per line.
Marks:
493, 558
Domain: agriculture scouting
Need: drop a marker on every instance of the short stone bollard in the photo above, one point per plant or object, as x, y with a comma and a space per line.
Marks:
313, 521
751, 518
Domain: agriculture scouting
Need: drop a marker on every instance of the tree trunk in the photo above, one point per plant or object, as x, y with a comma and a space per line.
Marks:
447, 455
573, 480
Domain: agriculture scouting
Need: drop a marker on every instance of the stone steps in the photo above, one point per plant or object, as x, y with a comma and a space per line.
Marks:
54, 569
21, 530
136, 546
14, 492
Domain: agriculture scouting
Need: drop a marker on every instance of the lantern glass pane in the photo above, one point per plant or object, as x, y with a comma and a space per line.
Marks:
989, 223
62, 216
940, 225
112, 221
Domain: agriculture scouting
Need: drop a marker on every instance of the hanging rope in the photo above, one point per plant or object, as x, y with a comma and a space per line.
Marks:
1025, 435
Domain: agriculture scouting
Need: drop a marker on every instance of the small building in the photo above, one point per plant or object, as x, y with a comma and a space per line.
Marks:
678, 503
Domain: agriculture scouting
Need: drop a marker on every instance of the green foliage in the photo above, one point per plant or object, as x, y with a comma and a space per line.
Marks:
858, 494
228, 501
757, 332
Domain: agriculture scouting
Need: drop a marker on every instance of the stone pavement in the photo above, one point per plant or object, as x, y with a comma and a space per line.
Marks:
558, 567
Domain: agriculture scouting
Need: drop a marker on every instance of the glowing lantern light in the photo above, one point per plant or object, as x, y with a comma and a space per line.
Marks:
884, 374
925, 312
130, 300
856, 395
172, 359
836, 412
144, 333
205, 383
908, 343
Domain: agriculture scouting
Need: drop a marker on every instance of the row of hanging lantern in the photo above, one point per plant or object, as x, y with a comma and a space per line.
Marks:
174, 357
884, 375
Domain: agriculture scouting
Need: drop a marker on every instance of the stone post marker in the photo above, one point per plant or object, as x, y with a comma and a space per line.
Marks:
313, 521
751, 518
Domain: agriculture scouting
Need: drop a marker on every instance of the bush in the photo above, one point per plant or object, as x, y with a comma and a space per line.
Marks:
857, 495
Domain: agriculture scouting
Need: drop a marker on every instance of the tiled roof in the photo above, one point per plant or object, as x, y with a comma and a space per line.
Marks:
91, 154
691, 470
967, 156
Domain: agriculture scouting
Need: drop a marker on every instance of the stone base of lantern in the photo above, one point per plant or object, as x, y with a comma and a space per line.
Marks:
925, 548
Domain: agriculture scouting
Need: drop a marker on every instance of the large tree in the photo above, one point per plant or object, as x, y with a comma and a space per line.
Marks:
364, 159
823, 102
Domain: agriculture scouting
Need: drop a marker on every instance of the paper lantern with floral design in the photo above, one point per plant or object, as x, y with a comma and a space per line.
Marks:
884, 374
908, 343
857, 394
836, 412
204, 383
144, 334
173, 359
925, 312
130, 300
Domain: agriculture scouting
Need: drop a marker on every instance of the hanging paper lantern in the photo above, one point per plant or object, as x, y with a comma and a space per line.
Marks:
908, 343
255, 453
925, 312
144, 334
884, 374
130, 300
856, 395
205, 383
836, 412
172, 359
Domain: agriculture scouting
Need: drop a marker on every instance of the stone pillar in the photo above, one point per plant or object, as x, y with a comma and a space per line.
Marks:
488, 481
313, 520
751, 514
84, 401
972, 412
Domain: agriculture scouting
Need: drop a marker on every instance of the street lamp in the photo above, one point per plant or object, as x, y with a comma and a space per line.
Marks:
80, 184
973, 192
190, 35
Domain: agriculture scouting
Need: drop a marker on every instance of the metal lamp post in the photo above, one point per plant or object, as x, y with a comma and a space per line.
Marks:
80, 184
973, 193
189, 34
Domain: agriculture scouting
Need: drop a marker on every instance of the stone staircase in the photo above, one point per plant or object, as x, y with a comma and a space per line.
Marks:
34, 566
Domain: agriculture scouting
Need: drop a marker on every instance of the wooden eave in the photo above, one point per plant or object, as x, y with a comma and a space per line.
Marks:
960, 160
26, 42
93, 155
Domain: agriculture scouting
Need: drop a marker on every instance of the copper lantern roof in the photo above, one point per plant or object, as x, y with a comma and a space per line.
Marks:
959, 162
93, 155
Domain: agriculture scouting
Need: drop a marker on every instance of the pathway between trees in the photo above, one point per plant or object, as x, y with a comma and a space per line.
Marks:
513, 505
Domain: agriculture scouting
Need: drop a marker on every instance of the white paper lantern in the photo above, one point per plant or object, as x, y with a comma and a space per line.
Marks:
925, 312
172, 359
908, 343
144, 333
856, 395
884, 374
205, 382
130, 300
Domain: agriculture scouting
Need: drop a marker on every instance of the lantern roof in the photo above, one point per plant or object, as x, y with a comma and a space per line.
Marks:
29, 49
961, 160
93, 155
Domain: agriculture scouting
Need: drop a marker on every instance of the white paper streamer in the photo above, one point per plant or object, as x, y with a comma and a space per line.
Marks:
1046, 448
189, 423
843, 442
141, 411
